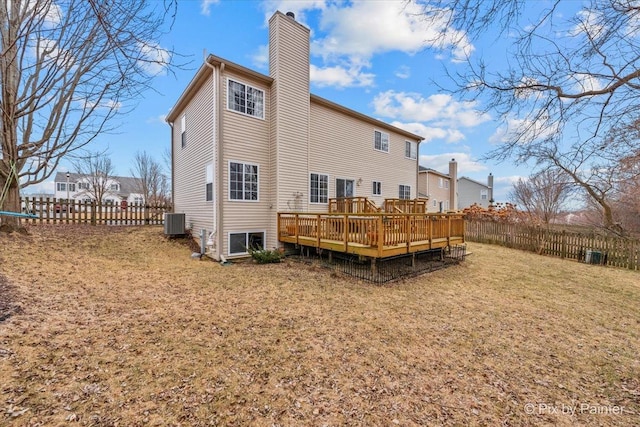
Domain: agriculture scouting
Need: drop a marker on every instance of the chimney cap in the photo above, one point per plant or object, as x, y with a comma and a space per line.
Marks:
291, 15
453, 159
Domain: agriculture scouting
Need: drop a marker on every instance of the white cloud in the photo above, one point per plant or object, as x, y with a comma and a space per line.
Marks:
46, 187
440, 109
298, 7
508, 180
205, 6
588, 24
431, 133
340, 76
261, 57
153, 58
365, 28
403, 72
440, 162
587, 82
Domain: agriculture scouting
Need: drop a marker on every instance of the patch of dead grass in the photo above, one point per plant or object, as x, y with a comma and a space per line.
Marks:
121, 326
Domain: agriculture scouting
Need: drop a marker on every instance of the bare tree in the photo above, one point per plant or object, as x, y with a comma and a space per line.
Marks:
97, 174
153, 182
542, 195
570, 83
67, 68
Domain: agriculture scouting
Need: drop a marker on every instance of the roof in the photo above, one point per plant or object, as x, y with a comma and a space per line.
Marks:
128, 184
422, 169
473, 181
203, 72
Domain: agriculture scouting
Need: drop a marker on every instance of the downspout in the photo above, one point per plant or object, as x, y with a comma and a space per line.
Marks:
217, 158
173, 180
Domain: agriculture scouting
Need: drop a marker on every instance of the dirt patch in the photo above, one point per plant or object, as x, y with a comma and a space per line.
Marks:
8, 300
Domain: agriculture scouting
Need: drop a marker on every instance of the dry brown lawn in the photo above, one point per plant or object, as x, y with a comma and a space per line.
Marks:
119, 326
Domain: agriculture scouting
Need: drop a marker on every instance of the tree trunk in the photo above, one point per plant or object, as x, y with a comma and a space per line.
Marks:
11, 203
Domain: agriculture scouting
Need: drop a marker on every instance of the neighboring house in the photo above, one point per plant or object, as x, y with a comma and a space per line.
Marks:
78, 187
473, 192
246, 146
439, 188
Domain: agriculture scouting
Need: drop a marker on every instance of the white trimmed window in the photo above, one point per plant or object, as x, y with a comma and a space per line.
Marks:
381, 141
446, 183
319, 188
410, 150
83, 186
114, 187
183, 130
440, 182
446, 205
243, 181
138, 200
377, 188
245, 99
483, 194
239, 243
404, 191
434, 203
208, 187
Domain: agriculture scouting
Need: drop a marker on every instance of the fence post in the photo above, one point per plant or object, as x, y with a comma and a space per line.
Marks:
563, 244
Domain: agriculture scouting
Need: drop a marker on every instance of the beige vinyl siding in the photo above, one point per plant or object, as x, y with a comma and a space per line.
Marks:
429, 185
246, 140
289, 66
342, 146
189, 163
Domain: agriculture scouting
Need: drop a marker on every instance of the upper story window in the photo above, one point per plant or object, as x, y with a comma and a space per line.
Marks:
245, 99
483, 194
404, 192
381, 141
243, 181
183, 130
440, 182
62, 186
410, 150
114, 187
83, 186
446, 183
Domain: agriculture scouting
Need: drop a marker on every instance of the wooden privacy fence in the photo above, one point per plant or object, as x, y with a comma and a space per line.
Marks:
61, 211
613, 251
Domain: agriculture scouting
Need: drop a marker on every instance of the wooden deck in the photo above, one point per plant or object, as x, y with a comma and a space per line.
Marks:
375, 235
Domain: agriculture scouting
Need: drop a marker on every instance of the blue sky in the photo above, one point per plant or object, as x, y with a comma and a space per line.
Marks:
371, 56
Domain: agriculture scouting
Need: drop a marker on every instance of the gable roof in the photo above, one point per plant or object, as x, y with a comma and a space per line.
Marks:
473, 181
422, 169
203, 72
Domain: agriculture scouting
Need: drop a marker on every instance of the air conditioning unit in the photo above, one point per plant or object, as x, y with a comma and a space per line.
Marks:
592, 257
174, 224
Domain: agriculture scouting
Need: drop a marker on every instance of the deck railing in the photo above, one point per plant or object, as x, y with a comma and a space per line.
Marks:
405, 206
352, 205
373, 234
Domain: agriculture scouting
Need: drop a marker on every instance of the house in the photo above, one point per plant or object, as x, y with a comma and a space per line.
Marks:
75, 186
439, 188
246, 146
474, 192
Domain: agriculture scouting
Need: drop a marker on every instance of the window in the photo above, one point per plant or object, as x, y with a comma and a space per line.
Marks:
435, 203
344, 188
114, 187
240, 242
243, 181
410, 150
245, 99
83, 186
208, 190
61, 186
483, 194
381, 141
446, 205
138, 200
446, 183
404, 192
319, 188
440, 182
183, 130
72, 186
377, 188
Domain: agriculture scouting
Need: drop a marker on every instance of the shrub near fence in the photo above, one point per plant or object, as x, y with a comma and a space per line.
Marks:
615, 251
61, 211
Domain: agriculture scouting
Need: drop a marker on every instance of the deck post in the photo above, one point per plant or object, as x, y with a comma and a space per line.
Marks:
380, 232
408, 231
345, 231
430, 231
449, 230
297, 230
318, 230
